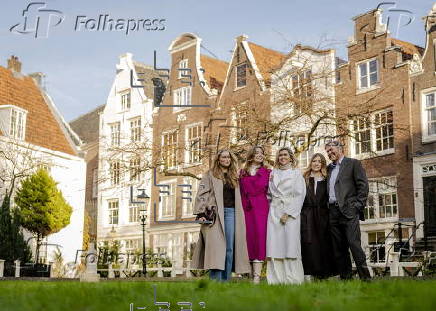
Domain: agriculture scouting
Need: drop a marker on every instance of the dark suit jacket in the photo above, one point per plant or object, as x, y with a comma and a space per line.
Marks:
351, 187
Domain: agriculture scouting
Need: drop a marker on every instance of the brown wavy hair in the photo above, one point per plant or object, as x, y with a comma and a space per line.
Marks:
308, 170
232, 173
250, 158
293, 161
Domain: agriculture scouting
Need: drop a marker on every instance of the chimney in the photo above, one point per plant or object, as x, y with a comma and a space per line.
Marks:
38, 77
14, 64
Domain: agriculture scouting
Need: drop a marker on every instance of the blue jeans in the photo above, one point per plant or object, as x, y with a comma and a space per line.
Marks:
229, 228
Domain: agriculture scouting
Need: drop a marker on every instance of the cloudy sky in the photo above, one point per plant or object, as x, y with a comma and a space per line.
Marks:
80, 65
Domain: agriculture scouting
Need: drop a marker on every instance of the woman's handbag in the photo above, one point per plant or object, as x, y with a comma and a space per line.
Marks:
209, 214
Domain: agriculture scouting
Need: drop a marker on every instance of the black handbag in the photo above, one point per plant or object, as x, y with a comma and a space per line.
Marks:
209, 214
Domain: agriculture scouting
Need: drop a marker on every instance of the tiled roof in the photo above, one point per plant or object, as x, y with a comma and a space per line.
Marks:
407, 47
214, 69
267, 60
87, 125
146, 73
42, 127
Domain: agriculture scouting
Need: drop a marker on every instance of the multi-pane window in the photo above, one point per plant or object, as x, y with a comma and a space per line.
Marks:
133, 214
132, 245
167, 202
430, 114
382, 198
241, 75
115, 172
160, 243
370, 209
194, 143
362, 134
302, 89
373, 133
182, 96
125, 101
387, 204
183, 65
376, 243
368, 74
384, 130
189, 199
113, 212
115, 133
17, 125
169, 146
305, 156
241, 123
135, 130
135, 169
94, 182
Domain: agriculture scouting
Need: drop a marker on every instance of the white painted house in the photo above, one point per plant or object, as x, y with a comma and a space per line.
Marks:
34, 133
125, 142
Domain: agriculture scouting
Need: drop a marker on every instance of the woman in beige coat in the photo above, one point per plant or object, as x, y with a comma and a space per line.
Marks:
222, 245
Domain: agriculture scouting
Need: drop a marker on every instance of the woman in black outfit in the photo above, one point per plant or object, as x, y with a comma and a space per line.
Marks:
316, 248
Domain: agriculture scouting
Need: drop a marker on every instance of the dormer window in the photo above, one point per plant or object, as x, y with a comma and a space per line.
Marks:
13, 121
241, 75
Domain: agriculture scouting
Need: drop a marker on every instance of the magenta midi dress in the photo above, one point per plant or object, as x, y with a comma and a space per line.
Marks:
256, 207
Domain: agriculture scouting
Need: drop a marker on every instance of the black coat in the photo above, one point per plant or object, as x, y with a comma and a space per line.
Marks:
316, 247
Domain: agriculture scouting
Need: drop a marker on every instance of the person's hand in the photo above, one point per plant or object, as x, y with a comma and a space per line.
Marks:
284, 218
202, 219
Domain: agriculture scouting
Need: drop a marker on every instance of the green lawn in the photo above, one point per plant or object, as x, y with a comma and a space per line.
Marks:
392, 295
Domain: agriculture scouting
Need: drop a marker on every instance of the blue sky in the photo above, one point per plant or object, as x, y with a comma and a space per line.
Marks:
80, 66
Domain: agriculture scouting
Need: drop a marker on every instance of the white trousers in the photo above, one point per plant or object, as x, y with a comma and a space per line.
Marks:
284, 271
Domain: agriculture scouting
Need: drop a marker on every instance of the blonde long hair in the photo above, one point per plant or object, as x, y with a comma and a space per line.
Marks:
293, 160
232, 173
308, 170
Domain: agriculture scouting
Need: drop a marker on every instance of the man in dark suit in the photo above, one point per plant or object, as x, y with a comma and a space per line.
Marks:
348, 191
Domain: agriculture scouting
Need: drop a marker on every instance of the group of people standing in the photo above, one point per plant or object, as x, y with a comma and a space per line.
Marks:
299, 223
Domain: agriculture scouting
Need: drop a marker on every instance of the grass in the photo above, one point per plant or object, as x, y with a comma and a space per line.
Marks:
393, 294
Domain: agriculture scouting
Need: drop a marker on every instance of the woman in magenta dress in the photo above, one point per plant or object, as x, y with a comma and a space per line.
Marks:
254, 178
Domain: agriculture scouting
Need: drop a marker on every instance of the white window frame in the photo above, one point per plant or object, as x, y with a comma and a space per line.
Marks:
134, 213
188, 206
160, 243
135, 129
381, 187
426, 138
17, 124
126, 100
176, 148
368, 75
377, 246
115, 172
95, 182
309, 152
134, 169
164, 202
190, 152
183, 64
182, 97
372, 134
113, 206
115, 129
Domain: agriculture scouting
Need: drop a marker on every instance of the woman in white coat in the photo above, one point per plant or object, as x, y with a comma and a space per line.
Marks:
286, 193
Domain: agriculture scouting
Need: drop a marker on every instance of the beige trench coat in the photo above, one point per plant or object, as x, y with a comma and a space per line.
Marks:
210, 251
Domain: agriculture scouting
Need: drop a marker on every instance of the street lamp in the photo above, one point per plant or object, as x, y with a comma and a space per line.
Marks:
142, 199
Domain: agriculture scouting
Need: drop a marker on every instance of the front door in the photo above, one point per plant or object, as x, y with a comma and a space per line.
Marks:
430, 205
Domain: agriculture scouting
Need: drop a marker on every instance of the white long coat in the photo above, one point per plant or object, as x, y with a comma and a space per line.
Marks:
286, 193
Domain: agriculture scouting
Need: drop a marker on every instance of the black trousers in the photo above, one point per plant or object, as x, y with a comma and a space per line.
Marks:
346, 235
